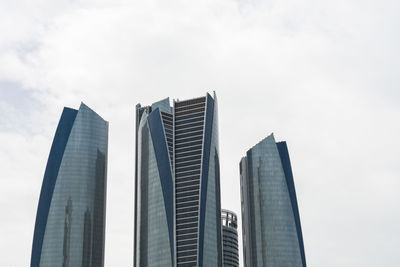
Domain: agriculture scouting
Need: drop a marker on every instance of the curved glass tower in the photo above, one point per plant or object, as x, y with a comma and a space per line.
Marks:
177, 184
271, 223
70, 220
230, 243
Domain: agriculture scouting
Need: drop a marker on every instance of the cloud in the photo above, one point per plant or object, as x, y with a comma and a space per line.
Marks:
320, 75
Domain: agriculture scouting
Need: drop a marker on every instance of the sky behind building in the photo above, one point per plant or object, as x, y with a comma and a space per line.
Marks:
321, 75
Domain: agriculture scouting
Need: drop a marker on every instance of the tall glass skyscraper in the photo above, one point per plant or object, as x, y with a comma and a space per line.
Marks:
70, 220
177, 184
230, 244
271, 223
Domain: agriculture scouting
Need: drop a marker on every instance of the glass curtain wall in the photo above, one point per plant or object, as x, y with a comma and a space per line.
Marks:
271, 224
70, 221
184, 141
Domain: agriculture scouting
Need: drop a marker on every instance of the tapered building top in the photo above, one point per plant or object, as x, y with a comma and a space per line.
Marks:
272, 233
70, 220
177, 187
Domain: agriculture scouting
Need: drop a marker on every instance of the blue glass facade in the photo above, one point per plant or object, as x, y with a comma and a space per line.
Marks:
271, 222
182, 141
153, 239
210, 206
70, 221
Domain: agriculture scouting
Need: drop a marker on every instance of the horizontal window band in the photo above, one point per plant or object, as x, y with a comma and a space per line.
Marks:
181, 188
187, 181
186, 149
187, 185
193, 101
188, 209
192, 219
187, 230
181, 238
189, 111
187, 252
183, 109
185, 173
186, 215
189, 144
189, 158
182, 177
196, 105
186, 198
188, 193
196, 162
189, 125
193, 165
188, 162
187, 189
187, 236
191, 153
187, 242
191, 252
188, 247
186, 226
187, 130
190, 120
189, 139
188, 134
183, 181
180, 116
186, 259
187, 168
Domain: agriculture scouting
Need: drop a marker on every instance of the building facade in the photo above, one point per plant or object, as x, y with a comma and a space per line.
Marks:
70, 220
230, 244
272, 233
177, 184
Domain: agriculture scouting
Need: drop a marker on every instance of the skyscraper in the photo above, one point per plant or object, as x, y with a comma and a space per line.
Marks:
271, 223
177, 184
230, 243
70, 220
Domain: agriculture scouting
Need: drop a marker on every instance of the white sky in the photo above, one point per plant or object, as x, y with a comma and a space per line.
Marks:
322, 75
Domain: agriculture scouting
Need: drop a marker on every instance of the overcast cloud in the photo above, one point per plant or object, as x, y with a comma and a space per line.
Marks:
322, 75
